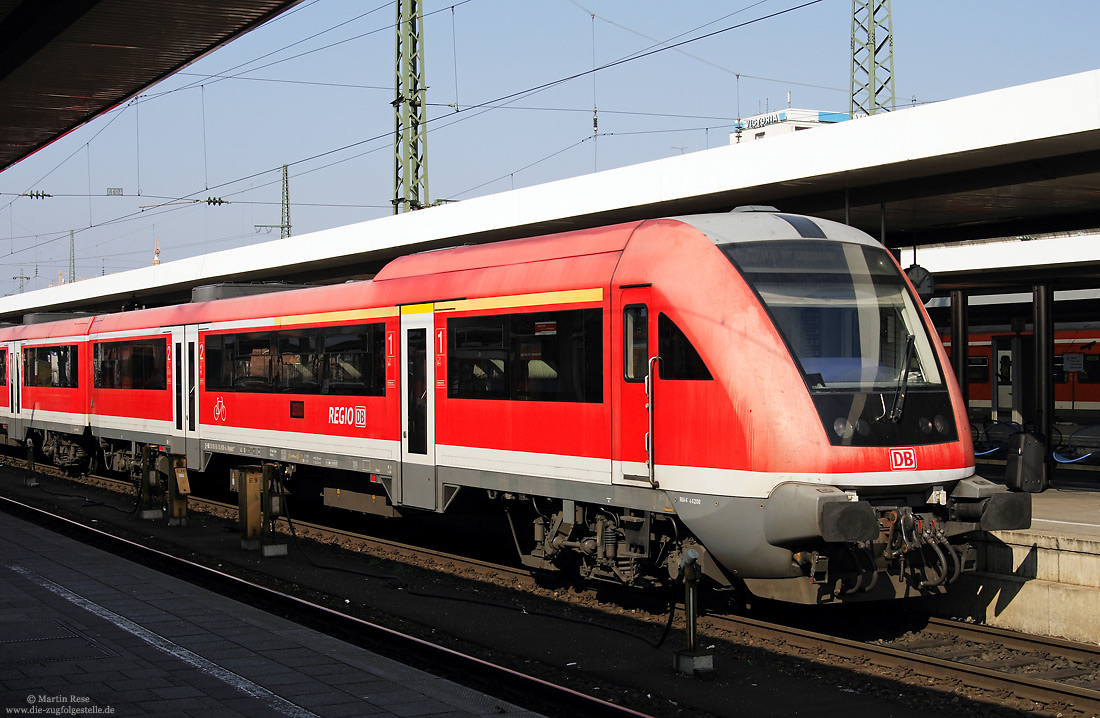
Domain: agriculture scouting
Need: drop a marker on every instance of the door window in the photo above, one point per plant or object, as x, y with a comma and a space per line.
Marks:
636, 339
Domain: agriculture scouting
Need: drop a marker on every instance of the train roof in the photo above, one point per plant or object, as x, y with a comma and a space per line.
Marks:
515, 251
754, 224
741, 225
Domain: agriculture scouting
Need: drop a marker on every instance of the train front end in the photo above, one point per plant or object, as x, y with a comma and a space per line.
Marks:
856, 475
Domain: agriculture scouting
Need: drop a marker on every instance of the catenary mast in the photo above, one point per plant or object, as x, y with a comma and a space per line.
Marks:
872, 58
410, 185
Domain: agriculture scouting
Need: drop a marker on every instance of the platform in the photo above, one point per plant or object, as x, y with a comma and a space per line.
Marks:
87, 632
1045, 580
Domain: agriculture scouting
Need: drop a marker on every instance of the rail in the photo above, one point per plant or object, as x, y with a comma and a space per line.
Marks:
479, 674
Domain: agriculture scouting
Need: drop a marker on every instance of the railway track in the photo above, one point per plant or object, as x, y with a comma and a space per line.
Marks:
1062, 676
535, 693
299, 529
1051, 676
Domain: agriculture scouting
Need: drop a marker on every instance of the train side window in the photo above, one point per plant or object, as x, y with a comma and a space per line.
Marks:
355, 361
3, 367
346, 360
477, 360
534, 356
298, 364
557, 356
51, 366
679, 360
1091, 374
139, 364
977, 370
636, 339
251, 357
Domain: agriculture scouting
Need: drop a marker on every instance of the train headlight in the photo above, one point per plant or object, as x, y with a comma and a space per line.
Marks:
925, 425
941, 425
843, 428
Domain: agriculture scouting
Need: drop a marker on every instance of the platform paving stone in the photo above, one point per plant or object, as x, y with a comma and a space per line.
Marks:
140, 642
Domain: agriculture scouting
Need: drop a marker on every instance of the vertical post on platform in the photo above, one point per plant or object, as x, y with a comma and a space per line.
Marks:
148, 481
1044, 368
179, 488
882, 223
248, 480
960, 341
272, 508
691, 661
31, 479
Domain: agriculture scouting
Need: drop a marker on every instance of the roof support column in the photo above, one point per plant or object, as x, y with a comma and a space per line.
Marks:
882, 223
960, 342
1044, 368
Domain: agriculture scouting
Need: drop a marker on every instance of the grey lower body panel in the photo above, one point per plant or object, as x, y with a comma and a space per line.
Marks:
630, 497
141, 437
360, 464
733, 530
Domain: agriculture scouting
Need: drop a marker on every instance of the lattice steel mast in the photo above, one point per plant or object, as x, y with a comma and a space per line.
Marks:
872, 58
284, 226
410, 182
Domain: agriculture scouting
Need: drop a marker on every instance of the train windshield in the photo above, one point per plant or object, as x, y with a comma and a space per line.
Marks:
844, 310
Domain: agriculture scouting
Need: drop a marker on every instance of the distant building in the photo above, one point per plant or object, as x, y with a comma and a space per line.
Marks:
782, 122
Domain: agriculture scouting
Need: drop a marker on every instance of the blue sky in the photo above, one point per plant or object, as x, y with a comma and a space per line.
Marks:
313, 88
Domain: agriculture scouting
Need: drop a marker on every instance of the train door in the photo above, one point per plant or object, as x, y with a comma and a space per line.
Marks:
634, 349
8, 408
15, 387
1002, 379
421, 350
192, 361
1013, 378
185, 359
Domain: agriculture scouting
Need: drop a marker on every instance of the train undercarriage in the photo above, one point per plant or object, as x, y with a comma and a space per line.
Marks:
840, 550
880, 548
600, 543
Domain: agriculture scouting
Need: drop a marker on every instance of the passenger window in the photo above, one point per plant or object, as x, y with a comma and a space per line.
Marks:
1091, 374
679, 360
51, 366
477, 359
977, 370
530, 356
343, 360
140, 364
636, 339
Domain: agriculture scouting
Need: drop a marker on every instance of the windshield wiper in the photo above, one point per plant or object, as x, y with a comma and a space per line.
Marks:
903, 381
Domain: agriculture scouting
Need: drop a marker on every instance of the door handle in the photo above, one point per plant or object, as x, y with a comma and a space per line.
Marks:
650, 391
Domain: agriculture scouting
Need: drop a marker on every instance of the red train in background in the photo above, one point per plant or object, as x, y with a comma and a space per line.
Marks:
1000, 374
760, 387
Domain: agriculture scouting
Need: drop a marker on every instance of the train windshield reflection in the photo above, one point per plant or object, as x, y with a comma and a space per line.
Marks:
844, 310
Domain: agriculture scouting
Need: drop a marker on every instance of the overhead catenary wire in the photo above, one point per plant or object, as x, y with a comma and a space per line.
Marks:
442, 120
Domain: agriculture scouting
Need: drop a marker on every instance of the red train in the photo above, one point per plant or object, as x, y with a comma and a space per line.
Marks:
760, 387
1000, 374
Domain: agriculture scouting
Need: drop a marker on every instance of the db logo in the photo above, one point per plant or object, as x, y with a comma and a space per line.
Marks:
348, 415
903, 459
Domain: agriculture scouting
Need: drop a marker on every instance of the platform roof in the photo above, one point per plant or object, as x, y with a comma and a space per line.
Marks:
63, 62
1011, 162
